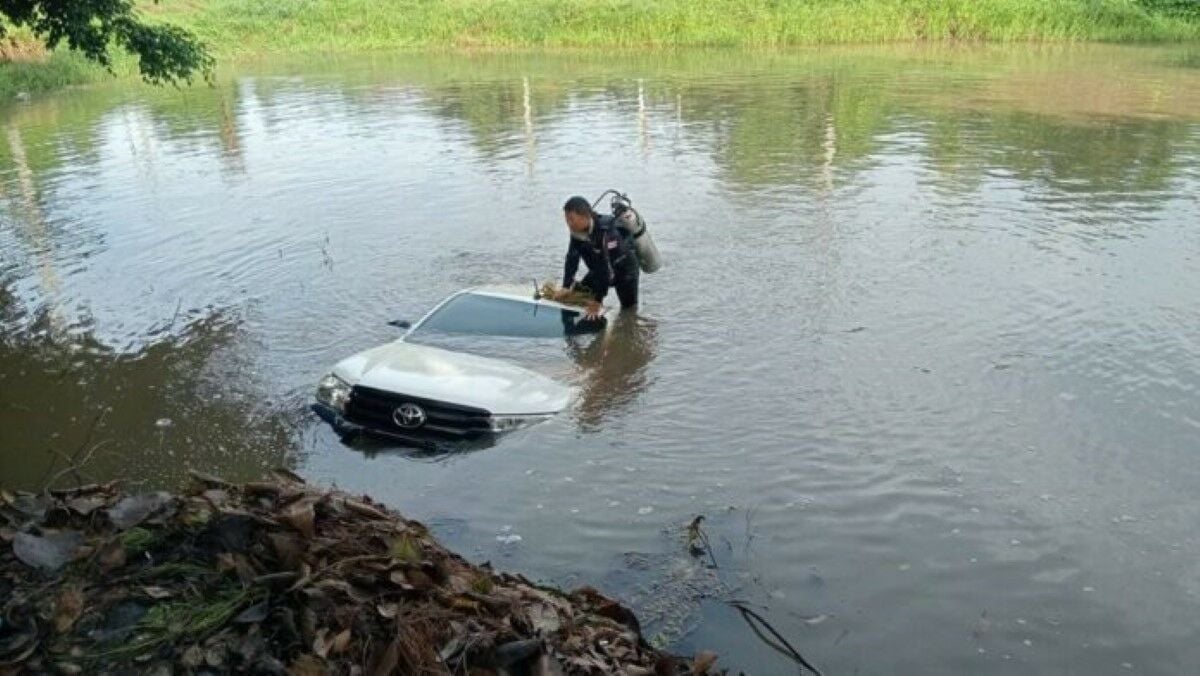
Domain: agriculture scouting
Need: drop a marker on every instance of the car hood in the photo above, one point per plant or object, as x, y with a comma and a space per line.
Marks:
428, 372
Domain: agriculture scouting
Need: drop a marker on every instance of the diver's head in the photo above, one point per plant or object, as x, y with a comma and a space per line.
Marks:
578, 213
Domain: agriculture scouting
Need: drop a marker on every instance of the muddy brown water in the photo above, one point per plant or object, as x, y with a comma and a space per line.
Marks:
926, 352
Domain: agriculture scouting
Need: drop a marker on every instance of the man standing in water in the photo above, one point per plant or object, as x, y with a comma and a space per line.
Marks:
609, 255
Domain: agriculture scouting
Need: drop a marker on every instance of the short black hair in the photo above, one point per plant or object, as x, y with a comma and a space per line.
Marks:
578, 205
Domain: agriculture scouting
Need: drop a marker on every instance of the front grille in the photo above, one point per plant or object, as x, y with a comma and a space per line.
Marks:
374, 408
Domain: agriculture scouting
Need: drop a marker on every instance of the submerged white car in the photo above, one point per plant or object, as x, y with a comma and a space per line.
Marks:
482, 362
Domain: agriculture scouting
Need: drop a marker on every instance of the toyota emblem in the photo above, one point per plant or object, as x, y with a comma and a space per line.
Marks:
408, 416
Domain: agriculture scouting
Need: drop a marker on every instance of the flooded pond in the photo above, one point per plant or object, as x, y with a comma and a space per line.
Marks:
926, 353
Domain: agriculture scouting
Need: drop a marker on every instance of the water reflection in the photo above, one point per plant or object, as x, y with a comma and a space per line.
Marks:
944, 298
383, 450
613, 367
146, 416
34, 228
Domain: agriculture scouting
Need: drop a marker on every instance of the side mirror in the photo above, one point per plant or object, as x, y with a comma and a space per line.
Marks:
400, 323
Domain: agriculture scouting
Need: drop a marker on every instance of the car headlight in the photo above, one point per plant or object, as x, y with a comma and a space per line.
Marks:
508, 423
333, 392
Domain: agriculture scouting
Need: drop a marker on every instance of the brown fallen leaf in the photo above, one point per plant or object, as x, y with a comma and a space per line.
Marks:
133, 510
216, 497
157, 593
245, 569
618, 613
251, 646
385, 662
307, 665
112, 556
85, 489
192, 658
588, 664
67, 609
547, 665
49, 552
87, 504
419, 580
301, 517
306, 575
261, 488
285, 475
363, 509
460, 583
666, 665
495, 604
462, 603
398, 578
703, 661
32, 507
543, 619
287, 550
322, 643
340, 586
341, 642
214, 657
208, 479
225, 562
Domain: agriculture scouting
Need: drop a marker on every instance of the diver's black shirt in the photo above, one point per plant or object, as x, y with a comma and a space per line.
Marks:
606, 252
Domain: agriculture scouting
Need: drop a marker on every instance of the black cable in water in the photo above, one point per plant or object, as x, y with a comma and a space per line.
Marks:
752, 618
786, 648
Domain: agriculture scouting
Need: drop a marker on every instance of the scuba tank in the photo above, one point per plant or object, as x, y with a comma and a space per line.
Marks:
628, 219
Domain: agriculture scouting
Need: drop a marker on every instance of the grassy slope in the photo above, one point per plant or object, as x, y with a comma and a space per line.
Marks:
39, 75
238, 26
26, 67
242, 27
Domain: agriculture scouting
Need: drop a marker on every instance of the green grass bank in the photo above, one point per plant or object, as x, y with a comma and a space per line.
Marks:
241, 28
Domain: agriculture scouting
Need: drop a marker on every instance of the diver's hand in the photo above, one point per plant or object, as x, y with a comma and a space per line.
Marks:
593, 310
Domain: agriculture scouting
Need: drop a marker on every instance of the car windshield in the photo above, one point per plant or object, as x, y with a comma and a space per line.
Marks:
534, 335
529, 334
475, 314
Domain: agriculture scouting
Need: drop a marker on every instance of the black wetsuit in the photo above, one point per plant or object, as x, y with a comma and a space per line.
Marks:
611, 261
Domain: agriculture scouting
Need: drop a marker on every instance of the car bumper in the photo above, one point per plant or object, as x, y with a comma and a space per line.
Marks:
348, 429
336, 421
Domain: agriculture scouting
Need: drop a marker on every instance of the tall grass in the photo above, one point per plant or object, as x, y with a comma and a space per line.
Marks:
35, 75
241, 26
26, 67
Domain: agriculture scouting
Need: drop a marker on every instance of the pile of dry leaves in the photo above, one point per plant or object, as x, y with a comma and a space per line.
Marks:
280, 577
579, 297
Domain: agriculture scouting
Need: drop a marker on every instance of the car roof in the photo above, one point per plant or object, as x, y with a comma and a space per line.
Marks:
518, 293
